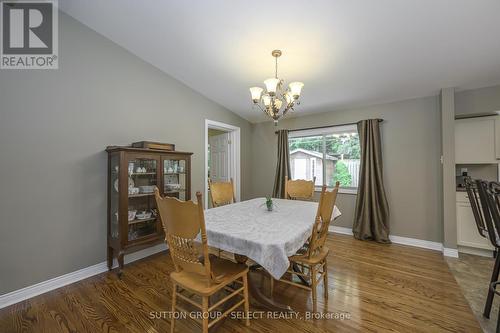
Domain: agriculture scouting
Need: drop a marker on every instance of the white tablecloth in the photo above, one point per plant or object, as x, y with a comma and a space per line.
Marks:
268, 238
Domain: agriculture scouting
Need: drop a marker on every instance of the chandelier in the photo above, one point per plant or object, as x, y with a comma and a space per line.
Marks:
276, 102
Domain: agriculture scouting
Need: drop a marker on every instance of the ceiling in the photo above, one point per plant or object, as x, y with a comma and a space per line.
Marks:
347, 52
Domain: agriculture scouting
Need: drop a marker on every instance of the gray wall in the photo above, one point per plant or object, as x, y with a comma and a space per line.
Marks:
477, 101
411, 155
54, 127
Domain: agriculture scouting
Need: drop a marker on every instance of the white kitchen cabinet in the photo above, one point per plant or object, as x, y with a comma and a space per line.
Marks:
467, 233
476, 140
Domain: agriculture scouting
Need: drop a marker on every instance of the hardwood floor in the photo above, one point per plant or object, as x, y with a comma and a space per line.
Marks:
379, 287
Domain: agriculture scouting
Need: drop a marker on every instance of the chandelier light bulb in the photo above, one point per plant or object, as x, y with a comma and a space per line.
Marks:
271, 85
256, 93
295, 89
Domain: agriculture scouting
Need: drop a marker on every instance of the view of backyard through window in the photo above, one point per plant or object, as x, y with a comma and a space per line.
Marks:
329, 157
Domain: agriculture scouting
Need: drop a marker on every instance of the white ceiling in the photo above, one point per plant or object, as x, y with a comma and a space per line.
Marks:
347, 52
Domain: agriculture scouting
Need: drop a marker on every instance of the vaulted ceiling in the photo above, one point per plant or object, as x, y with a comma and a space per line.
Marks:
347, 52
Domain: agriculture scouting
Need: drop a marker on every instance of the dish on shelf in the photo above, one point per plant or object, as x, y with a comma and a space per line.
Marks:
170, 187
133, 190
131, 215
147, 189
143, 215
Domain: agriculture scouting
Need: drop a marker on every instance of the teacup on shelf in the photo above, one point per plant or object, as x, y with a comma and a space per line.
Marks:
131, 215
133, 190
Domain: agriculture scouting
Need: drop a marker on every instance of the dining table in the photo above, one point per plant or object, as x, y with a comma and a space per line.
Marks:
250, 231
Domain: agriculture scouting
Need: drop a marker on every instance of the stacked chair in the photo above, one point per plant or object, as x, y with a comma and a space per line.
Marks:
489, 211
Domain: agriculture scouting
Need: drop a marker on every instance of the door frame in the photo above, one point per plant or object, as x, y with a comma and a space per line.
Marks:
234, 149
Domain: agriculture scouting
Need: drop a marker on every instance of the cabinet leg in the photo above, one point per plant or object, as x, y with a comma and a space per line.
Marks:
110, 258
121, 255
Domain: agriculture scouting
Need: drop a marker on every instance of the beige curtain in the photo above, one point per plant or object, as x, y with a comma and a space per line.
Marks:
282, 165
371, 220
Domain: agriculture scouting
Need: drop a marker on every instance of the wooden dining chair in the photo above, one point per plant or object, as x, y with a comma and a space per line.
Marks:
311, 260
195, 271
221, 193
299, 189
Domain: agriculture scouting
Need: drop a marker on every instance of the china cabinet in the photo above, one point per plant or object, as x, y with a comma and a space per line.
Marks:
133, 173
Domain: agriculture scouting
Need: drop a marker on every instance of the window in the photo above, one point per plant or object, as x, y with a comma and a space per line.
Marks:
329, 154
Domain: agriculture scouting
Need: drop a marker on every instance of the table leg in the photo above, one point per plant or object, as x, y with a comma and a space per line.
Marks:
253, 288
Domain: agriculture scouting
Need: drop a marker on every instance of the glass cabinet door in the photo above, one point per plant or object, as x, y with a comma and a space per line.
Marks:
174, 178
142, 212
114, 197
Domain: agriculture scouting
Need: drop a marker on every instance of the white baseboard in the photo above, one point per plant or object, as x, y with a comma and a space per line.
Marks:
447, 252
63, 280
475, 251
340, 230
417, 243
425, 244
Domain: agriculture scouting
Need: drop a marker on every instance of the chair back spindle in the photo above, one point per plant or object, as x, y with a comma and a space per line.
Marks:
472, 193
493, 197
182, 222
323, 218
482, 188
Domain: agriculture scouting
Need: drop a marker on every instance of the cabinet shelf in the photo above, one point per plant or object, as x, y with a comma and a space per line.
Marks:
141, 220
142, 174
140, 195
175, 191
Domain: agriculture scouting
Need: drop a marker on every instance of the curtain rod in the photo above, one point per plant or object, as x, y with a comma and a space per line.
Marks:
319, 127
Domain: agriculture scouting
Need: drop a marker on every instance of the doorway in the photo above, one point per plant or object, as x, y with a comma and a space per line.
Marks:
222, 155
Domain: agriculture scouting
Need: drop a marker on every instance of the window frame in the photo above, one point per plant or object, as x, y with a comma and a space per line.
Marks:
325, 131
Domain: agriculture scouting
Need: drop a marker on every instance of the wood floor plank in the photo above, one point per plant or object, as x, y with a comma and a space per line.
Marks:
382, 288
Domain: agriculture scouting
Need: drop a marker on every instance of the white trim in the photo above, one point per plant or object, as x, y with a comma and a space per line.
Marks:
425, 244
447, 252
476, 251
63, 280
340, 230
324, 130
342, 190
235, 137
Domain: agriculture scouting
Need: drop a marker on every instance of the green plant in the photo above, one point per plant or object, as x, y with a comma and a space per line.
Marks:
342, 175
269, 203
